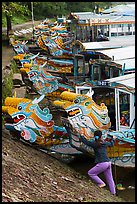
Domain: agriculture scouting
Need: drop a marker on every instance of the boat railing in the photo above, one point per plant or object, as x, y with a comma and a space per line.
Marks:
77, 79
75, 137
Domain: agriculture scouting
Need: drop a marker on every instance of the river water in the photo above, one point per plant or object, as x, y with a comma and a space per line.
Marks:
121, 175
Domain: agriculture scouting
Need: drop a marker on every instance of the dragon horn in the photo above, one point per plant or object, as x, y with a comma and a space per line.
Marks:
37, 100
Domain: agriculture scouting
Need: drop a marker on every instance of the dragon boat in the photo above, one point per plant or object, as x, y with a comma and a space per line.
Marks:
65, 60
84, 99
25, 119
81, 116
30, 123
118, 94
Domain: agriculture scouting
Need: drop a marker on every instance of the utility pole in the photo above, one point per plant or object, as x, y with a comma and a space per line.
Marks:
32, 19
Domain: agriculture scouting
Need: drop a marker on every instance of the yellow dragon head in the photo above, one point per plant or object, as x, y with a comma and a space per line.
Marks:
83, 113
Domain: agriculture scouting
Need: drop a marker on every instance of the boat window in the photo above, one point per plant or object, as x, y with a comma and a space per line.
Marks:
107, 96
80, 66
111, 72
107, 73
96, 73
124, 100
85, 91
115, 72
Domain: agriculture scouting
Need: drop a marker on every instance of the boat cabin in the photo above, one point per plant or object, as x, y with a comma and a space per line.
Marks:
98, 68
118, 94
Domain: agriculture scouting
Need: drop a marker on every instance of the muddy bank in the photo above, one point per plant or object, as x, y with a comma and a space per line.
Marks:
124, 176
7, 55
31, 175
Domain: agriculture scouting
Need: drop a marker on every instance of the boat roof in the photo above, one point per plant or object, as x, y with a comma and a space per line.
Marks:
128, 63
83, 16
120, 53
97, 46
125, 10
126, 80
124, 56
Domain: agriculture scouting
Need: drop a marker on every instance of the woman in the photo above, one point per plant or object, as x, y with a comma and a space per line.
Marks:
102, 161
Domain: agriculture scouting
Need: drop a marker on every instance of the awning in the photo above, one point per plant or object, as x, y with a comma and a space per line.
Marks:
124, 56
121, 53
128, 63
127, 80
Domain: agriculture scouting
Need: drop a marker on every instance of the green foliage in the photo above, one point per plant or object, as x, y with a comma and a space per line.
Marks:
4, 21
19, 20
7, 87
20, 12
86, 6
15, 20
14, 8
14, 67
54, 9
51, 9
8, 82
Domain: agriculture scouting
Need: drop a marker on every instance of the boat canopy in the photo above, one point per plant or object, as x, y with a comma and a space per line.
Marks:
127, 80
124, 56
128, 64
120, 53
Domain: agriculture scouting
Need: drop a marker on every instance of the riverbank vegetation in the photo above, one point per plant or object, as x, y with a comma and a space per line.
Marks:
7, 84
52, 9
20, 12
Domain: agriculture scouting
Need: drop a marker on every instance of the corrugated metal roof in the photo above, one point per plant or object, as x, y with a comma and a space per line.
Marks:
127, 80
128, 9
121, 53
92, 45
90, 15
129, 63
84, 15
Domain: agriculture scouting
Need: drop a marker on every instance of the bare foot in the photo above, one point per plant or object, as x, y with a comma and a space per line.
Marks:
102, 185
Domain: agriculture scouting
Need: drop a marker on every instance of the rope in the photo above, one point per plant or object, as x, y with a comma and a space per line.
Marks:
115, 173
69, 127
132, 123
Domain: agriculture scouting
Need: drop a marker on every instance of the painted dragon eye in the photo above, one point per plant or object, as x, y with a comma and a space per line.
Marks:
19, 108
77, 100
87, 103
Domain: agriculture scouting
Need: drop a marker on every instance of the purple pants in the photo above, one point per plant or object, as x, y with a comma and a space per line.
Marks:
103, 167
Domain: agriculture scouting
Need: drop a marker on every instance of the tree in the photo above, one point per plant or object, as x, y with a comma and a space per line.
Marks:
9, 9
49, 9
87, 6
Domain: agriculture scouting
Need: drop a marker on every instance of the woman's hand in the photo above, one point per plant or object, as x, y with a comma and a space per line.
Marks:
114, 137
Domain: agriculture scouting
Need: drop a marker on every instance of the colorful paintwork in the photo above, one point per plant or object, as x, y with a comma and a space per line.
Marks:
85, 116
50, 29
20, 47
52, 39
42, 80
53, 46
83, 113
122, 153
60, 65
34, 124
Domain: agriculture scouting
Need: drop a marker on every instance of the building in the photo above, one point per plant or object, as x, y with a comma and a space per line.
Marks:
116, 21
